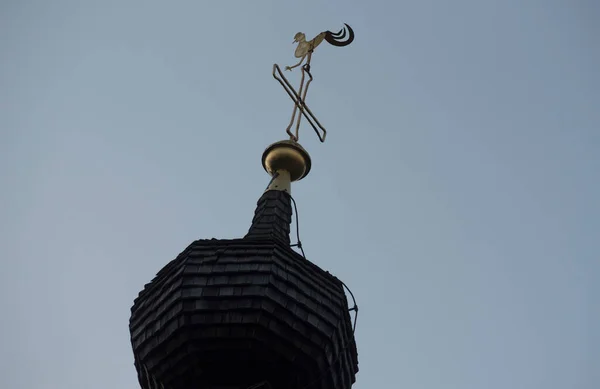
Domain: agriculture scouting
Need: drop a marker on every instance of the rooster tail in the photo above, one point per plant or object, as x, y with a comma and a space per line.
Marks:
337, 39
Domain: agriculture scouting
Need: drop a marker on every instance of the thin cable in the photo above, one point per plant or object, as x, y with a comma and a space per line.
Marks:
354, 308
348, 341
299, 244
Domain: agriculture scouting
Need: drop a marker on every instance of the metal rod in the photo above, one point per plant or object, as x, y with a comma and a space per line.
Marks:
293, 95
305, 69
298, 105
278, 75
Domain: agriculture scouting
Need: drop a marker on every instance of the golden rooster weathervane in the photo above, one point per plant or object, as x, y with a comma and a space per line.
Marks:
304, 52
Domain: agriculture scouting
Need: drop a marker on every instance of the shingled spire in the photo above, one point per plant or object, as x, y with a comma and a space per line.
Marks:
272, 217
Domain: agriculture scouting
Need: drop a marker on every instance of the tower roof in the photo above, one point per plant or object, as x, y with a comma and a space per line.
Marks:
233, 313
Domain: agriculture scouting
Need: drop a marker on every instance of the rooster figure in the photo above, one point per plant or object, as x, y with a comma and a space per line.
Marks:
305, 48
304, 51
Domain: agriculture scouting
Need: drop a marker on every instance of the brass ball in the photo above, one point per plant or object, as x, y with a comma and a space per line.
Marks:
287, 155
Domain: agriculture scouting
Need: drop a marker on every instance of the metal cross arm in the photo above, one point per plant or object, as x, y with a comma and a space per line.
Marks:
299, 99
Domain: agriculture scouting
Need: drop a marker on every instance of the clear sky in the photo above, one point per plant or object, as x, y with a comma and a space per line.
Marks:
457, 193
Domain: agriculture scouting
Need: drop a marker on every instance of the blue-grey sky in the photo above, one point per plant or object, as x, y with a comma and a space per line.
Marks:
457, 193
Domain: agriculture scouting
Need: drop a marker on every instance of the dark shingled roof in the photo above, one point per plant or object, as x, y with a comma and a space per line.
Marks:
234, 313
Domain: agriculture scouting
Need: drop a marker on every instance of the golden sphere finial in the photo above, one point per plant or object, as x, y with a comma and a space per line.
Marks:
287, 155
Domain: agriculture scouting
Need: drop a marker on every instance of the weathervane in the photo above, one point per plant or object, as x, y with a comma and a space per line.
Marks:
304, 51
